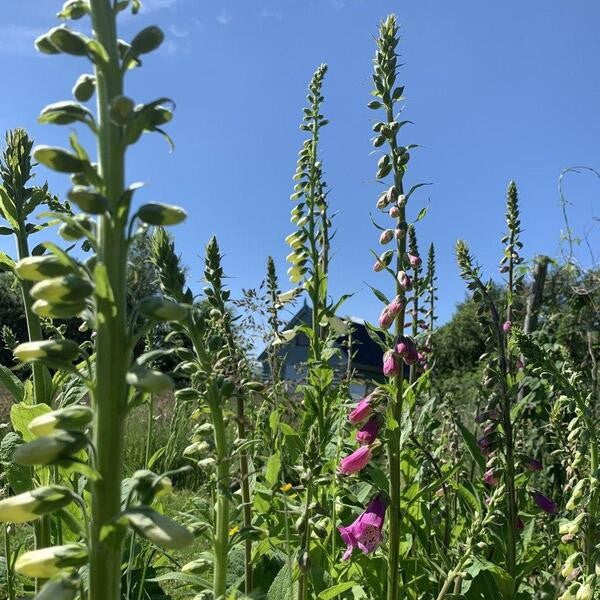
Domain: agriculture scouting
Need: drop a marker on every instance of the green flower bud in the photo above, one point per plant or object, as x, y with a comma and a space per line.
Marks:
68, 41
38, 268
187, 394
63, 310
161, 214
31, 505
576, 494
160, 309
197, 567
147, 40
51, 449
45, 46
149, 485
84, 87
76, 229
121, 108
196, 448
149, 380
69, 418
157, 527
68, 288
60, 350
570, 564
47, 562
88, 201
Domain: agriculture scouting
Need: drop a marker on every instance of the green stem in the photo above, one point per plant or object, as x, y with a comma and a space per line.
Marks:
394, 447
9, 572
305, 545
112, 354
221, 538
247, 507
149, 428
592, 521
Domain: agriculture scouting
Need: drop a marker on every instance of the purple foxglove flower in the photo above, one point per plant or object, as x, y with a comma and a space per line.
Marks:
404, 280
407, 350
519, 363
506, 326
386, 318
390, 364
414, 260
355, 462
487, 443
489, 477
361, 412
367, 434
532, 464
366, 533
545, 503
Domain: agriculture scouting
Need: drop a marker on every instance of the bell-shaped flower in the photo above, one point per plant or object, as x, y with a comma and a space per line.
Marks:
355, 462
366, 533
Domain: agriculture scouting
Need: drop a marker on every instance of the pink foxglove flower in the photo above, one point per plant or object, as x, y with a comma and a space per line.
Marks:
506, 326
414, 260
390, 364
386, 236
390, 312
407, 350
490, 477
545, 503
366, 533
532, 464
394, 212
355, 462
404, 280
361, 412
367, 434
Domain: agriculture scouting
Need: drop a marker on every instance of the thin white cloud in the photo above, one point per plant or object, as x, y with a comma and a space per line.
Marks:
224, 17
18, 39
154, 5
267, 13
177, 32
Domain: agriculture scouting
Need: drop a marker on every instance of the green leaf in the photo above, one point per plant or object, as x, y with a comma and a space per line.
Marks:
283, 586
12, 383
335, 590
59, 159
156, 527
22, 414
472, 446
272, 469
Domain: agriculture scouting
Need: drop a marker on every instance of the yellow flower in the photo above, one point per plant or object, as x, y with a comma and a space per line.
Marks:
233, 530
286, 487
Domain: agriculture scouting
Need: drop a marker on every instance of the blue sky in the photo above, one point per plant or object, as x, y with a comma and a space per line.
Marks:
496, 91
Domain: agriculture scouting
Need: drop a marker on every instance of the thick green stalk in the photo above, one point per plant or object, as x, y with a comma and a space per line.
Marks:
592, 520
221, 538
247, 508
112, 353
394, 448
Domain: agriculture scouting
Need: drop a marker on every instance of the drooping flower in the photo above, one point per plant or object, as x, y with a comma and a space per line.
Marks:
414, 260
394, 212
355, 462
404, 280
532, 464
361, 412
367, 434
407, 350
386, 236
390, 364
545, 503
506, 326
366, 533
389, 313
490, 477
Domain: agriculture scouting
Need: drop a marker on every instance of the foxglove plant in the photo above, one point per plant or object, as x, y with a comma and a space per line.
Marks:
499, 440
105, 223
399, 264
310, 265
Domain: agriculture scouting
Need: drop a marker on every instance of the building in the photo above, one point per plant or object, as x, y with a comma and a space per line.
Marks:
366, 355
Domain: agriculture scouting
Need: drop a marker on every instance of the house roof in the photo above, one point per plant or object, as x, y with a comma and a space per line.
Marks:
367, 353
